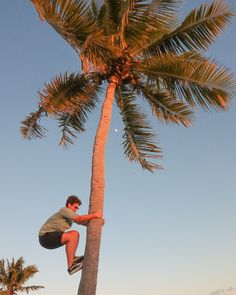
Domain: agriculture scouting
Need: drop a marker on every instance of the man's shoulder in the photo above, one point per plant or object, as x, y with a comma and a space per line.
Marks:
67, 212
64, 209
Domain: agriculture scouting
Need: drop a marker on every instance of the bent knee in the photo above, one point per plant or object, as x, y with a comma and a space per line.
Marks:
75, 233
70, 235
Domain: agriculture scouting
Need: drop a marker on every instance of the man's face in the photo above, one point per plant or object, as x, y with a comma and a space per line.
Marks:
74, 207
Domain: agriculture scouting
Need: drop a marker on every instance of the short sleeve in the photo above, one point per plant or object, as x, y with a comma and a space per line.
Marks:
67, 213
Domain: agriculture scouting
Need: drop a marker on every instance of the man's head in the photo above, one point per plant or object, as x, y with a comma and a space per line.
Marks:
73, 203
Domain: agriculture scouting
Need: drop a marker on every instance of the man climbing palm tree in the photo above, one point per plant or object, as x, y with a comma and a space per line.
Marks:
53, 233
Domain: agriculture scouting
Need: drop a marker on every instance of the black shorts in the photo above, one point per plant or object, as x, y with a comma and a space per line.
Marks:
51, 240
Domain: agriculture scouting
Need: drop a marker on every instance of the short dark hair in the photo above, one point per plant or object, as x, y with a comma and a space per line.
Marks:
72, 200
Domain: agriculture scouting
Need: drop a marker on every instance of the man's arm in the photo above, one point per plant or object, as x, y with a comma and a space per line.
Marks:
84, 219
85, 222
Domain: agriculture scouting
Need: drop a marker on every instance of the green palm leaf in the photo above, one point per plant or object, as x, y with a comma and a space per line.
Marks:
97, 53
151, 20
138, 142
165, 107
197, 32
69, 98
197, 80
69, 93
30, 127
112, 15
72, 19
29, 271
70, 125
29, 288
94, 9
3, 273
135, 23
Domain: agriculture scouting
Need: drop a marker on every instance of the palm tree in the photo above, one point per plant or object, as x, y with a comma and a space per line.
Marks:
14, 276
136, 50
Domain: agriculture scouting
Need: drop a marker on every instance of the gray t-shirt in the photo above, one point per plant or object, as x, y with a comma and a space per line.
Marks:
60, 221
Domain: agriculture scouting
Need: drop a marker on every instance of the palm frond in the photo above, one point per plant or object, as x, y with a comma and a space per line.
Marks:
70, 125
29, 271
150, 21
135, 23
122, 21
24, 274
94, 9
97, 52
3, 273
29, 288
165, 107
39, 8
30, 128
72, 19
112, 15
197, 32
101, 16
115, 14
138, 142
197, 80
69, 98
19, 263
69, 93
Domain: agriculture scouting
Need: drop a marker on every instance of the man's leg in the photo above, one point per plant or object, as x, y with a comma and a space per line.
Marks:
71, 240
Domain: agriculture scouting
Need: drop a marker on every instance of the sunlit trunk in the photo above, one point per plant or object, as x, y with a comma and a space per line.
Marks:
88, 280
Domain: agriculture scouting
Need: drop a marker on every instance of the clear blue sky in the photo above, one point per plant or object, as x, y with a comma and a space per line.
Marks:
172, 232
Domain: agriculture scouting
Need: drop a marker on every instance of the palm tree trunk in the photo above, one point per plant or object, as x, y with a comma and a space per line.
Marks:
88, 280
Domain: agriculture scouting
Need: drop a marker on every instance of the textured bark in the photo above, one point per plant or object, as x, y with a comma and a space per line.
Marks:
88, 280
